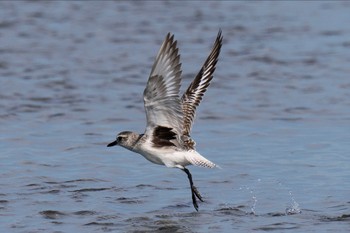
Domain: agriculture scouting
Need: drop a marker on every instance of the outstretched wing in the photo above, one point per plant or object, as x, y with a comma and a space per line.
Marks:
194, 93
161, 95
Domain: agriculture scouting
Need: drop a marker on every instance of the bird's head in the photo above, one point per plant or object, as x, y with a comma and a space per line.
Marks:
124, 139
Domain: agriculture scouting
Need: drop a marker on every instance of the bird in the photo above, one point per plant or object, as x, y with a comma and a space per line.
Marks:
166, 139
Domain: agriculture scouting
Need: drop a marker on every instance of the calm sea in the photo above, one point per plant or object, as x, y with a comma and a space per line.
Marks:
276, 117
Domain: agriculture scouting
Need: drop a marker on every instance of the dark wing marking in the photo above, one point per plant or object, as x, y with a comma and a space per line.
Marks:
162, 136
194, 93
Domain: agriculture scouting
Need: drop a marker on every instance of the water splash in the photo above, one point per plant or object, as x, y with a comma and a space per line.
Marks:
294, 206
253, 199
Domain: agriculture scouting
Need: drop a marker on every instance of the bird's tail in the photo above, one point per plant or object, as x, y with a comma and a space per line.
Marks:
198, 160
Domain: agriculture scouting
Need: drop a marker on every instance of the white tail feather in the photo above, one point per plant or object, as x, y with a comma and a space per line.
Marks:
198, 160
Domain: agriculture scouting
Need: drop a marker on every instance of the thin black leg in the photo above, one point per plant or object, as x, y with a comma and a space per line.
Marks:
194, 190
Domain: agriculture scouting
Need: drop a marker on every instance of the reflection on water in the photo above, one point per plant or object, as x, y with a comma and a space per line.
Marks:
276, 117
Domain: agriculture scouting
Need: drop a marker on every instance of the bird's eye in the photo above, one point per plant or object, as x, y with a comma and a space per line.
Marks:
120, 139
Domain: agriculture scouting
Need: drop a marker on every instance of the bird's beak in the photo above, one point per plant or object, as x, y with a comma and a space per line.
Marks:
112, 143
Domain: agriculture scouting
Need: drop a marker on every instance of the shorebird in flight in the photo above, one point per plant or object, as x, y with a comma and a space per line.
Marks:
166, 140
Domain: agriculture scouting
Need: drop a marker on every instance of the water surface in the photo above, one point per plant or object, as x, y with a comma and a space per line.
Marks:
276, 117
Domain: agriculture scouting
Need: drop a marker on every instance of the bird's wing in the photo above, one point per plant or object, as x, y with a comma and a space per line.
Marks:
194, 93
161, 95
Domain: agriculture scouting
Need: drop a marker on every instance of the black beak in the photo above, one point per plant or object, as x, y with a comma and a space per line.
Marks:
112, 143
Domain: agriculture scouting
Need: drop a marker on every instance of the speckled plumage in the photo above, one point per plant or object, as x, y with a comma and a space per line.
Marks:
166, 140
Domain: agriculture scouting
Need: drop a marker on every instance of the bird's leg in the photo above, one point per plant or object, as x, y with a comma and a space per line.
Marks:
194, 190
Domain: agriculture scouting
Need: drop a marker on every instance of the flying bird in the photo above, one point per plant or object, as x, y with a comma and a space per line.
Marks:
167, 140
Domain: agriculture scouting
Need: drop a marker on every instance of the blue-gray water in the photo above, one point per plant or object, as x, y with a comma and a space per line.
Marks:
276, 117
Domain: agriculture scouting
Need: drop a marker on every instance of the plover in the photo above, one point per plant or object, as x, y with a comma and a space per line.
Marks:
166, 140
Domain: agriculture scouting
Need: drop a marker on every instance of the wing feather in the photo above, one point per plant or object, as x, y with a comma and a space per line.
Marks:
194, 93
161, 95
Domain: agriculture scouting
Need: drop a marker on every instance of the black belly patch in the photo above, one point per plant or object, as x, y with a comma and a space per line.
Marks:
162, 136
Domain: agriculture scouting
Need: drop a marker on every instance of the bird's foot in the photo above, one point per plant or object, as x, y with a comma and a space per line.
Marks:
196, 192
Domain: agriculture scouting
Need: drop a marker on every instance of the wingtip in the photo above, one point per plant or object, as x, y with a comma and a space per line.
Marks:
170, 43
169, 37
220, 37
